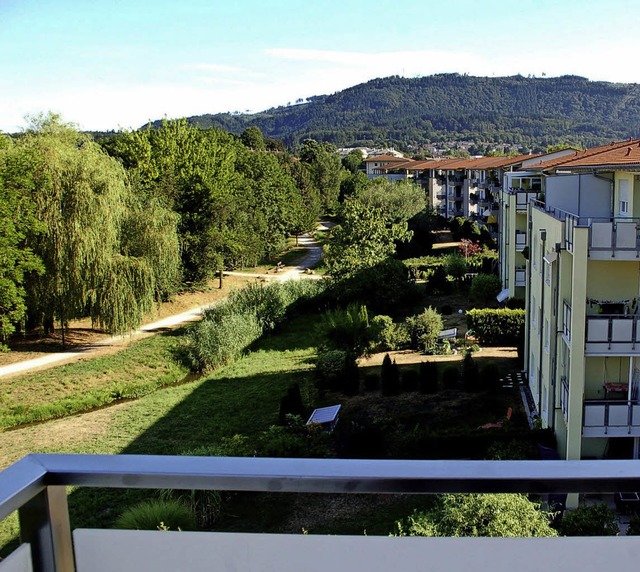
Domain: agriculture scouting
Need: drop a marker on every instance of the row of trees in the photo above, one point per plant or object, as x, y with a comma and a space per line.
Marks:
104, 229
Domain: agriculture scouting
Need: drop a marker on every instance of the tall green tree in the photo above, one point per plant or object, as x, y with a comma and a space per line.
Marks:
398, 200
363, 239
17, 261
325, 170
80, 198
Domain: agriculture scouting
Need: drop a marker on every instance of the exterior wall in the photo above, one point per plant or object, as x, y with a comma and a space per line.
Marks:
583, 195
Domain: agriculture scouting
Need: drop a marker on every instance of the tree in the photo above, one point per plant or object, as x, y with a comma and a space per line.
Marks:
424, 329
485, 288
362, 240
80, 196
456, 266
253, 139
398, 200
511, 515
17, 260
325, 170
352, 161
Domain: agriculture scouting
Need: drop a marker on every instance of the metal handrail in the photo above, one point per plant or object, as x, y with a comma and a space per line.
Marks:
36, 484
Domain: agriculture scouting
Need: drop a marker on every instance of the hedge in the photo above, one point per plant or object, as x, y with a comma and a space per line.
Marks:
496, 327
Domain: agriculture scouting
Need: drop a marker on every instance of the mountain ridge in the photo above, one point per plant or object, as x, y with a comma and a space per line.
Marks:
412, 113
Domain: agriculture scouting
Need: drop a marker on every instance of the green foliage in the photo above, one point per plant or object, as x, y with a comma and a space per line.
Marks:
352, 162
362, 240
387, 335
485, 288
497, 327
529, 112
347, 329
428, 377
389, 377
295, 439
470, 373
325, 170
399, 201
329, 368
502, 515
423, 330
158, 514
451, 377
589, 520
253, 139
205, 505
456, 266
221, 338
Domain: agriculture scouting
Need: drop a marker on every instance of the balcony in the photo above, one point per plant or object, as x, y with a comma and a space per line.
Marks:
566, 322
611, 418
613, 238
612, 335
564, 397
521, 240
36, 487
521, 276
522, 200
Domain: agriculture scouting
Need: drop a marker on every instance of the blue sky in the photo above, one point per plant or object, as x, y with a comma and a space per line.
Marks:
109, 64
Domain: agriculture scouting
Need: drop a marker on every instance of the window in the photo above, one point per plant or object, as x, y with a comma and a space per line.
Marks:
623, 206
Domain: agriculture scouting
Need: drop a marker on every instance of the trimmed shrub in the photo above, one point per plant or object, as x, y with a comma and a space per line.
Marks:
389, 377
371, 382
470, 374
157, 514
428, 377
410, 380
490, 376
589, 520
496, 327
455, 266
423, 330
387, 336
451, 377
485, 288
347, 329
329, 368
221, 339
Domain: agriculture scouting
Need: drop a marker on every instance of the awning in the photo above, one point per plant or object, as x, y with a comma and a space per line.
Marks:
504, 294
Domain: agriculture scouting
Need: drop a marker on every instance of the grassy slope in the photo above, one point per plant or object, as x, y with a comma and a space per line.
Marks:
241, 398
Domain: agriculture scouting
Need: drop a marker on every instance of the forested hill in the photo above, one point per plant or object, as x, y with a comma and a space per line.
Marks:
451, 107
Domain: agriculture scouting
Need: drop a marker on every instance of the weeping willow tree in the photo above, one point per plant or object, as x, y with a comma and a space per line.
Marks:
81, 199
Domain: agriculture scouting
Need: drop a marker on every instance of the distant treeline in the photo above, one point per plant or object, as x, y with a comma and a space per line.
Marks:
409, 113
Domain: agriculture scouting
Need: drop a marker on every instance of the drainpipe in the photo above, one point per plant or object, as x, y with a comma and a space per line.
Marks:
543, 237
527, 344
554, 367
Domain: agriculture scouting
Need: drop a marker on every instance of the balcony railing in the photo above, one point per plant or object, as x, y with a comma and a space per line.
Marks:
36, 487
571, 220
523, 198
611, 418
612, 335
521, 276
564, 397
613, 238
566, 322
521, 240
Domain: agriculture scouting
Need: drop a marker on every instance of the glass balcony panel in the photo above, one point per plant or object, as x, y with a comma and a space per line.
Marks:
626, 235
597, 329
618, 414
621, 330
601, 234
594, 415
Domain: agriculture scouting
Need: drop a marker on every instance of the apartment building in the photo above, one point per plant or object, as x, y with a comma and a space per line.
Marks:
582, 353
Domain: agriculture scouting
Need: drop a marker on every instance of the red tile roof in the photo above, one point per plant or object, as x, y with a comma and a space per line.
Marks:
600, 155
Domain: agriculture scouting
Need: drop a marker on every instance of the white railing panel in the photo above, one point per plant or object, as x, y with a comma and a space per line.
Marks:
635, 415
18, 561
601, 234
618, 414
594, 416
621, 330
626, 234
598, 329
124, 551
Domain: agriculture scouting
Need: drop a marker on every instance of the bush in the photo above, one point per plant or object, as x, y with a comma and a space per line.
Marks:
428, 377
512, 515
387, 336
371, 382
410, 380
221, 339
389, 377
470, 374
206, 506
329, 368
157, 514
347, 329
490, 376
485, 288
295, 439
589, 520
451, 377
423, 330
291, 404
438, 283
455, 266
497, 327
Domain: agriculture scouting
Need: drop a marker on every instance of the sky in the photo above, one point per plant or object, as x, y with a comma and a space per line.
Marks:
116, 64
